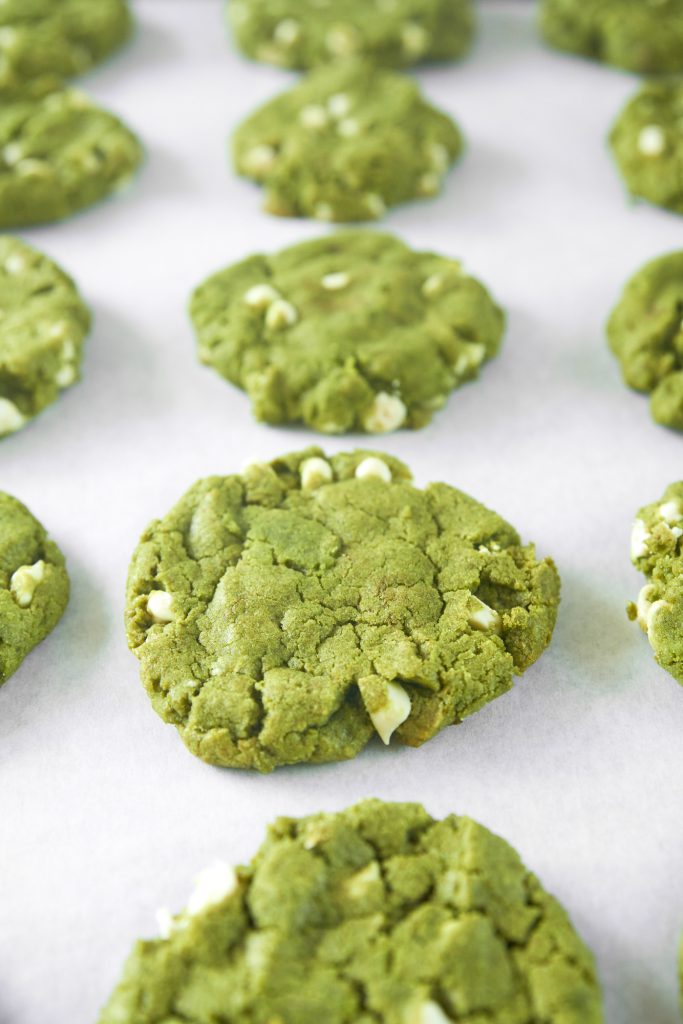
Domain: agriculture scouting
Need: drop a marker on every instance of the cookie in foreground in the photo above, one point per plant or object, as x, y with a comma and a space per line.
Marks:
346, 143
290, 613
43, 327
657, 551
377, 913
34, 586
353, 331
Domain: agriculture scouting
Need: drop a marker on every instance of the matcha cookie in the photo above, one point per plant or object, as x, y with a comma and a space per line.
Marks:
57, 37
353, 331
656, 551
59, 153
392, 33
43, 324
34, 586
647, 143
645, 332
346, 143
638, 35
290, 613
377, 913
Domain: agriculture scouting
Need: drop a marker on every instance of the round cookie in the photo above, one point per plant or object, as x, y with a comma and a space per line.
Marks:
645, 332
43, 324
647, 143
377, 913
639, 35
289, 613
392, 33
57, 37
657, 551
353, 331
59, 153
34, 586
346, 143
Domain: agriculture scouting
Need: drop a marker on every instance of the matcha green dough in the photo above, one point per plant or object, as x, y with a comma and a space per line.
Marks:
656, 551
645, 332
43, 324
647, 143
289, 613
639, 35
57, 37
345, 143
377, 913
34, 586
353, 331
392, 33
59, 153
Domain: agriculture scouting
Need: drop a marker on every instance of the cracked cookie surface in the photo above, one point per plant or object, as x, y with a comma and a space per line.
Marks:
657, 551
647, 143
638, 35
43, 325
34, 586
288, 613
390, 33
377, 913
57, 37
59, 153
354, 331
645, 332
345, 143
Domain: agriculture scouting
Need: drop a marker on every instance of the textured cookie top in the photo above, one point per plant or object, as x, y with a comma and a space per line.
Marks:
354, 331
345, 143
34, 586
60, 153
375, 914
284, 614
645, 332
42, 327
392, 33
639, 35
57, 37
647, 142
657, 551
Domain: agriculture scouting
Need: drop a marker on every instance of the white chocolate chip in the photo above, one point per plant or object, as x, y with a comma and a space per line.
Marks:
24, 581
342, 40
31, 168
313, 116
11, 418
16, 263
651, 140
348, 127
323, 211
640, 536
428, 1012
386, 413
281, 314
287, 32
671, 511
8, 37
212, 886
433, 285
392, 713
314, 472
481, 616
260, 296
414, 38
356, 886
335, 282
12, 153
373, 467
375, 204
439, 157
167, 923
470, 358
429, 184
260, 159
160, 606
65, 375
339, 105
68, 351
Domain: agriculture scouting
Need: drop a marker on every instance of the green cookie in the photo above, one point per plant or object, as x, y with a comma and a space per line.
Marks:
59, 154
645, 332
377, 913
57, 37
639, 35
289, 613
34, 586
647, 143
391, 33
657, 551
353, 331
43, 325
346, 143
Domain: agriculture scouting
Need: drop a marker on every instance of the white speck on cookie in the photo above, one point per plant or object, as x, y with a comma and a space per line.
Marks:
348, 127
342, 40
640, 535
314, 472
392, 713
414, 38
671, 512
11, 418
160, 606
287, 32
24, 582
260, 296
373, 467
313, 116
651, 140
281, 314
260, 159
481, 616
386, 413
375, 204
336, 282
339, 105
212, 886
